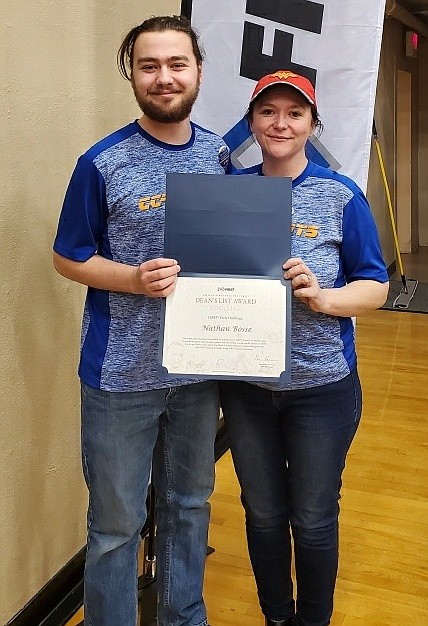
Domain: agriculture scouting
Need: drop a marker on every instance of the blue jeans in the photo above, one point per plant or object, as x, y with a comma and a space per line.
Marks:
124, 435
289, 450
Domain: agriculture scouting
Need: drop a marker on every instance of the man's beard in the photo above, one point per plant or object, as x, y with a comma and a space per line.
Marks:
168, 114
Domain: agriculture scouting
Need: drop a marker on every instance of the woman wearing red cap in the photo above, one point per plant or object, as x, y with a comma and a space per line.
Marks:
289, 442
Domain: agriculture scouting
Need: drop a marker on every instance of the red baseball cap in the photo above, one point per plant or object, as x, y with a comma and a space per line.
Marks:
285, 77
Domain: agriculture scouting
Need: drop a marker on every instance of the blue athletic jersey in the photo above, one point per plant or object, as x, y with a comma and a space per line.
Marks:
115, 207
334, 232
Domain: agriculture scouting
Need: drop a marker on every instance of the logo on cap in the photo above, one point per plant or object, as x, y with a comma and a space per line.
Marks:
283, 75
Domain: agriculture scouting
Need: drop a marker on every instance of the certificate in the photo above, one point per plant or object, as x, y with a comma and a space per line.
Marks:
226, 327
230, 313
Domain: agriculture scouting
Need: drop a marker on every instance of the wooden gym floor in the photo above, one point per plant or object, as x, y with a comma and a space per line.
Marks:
383, 578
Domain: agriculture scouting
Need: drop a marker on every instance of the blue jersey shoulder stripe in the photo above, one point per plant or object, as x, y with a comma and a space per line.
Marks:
111, 140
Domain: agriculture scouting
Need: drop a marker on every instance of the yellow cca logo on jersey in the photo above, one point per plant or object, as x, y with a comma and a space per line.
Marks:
151, 202
305, 230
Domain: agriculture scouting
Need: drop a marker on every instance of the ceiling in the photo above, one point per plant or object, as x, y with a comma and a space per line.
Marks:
418, 8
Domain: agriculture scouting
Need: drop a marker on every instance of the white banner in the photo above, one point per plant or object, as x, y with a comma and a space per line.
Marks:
335, 43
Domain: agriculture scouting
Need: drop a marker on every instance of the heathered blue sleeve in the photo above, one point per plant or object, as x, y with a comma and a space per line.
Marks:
83, 216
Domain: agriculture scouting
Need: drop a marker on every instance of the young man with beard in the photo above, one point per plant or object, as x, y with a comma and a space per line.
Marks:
110, 238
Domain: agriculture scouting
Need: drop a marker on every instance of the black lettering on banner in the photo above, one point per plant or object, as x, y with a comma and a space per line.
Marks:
300, 14
255, 64
186, 8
